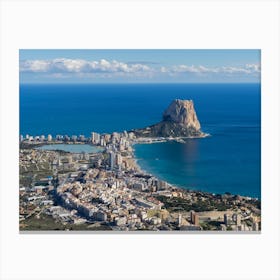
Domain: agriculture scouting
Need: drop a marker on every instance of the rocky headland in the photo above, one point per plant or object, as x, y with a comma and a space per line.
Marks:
178, 120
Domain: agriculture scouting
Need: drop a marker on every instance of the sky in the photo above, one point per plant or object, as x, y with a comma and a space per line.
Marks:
139, 66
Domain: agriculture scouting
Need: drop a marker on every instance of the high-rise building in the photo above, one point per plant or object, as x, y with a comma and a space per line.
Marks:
192, 216
162, 185
131, 135
95, 138
238, 220
196, 219
82, 138
126, 145
112, 160
49, 138
102, 142
85, 156
107, 138
226, 219
179, 220
119, 159
116, 135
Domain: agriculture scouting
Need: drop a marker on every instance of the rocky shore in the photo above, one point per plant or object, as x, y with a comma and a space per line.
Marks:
178, 120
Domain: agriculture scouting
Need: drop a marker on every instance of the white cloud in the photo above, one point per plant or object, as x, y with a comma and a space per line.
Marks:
253, 67
185, 68
247, 69
34, 66
63, 67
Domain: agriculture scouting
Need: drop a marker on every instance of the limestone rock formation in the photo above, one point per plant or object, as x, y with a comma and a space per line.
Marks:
182, 112
178, 120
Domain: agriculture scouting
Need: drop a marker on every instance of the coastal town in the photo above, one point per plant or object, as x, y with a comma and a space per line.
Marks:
105, 190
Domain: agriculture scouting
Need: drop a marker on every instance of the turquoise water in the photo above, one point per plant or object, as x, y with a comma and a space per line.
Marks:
228, 161
72, 148
210, 164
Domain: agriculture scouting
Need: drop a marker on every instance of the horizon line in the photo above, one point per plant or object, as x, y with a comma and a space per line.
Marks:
130, 83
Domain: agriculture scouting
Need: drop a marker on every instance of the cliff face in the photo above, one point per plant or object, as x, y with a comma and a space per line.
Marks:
182, 112
178, 120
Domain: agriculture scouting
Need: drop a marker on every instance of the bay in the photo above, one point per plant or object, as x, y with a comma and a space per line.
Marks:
228, 161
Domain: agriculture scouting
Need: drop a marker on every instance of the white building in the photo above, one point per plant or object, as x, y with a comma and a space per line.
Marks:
95, 138
255, 226
112, 160
120, 221
102, 142
119, 159
179, 220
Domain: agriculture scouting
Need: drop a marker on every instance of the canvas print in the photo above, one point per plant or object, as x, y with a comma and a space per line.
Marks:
140, 140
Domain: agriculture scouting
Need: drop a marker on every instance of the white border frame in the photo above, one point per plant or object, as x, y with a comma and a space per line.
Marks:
139, 24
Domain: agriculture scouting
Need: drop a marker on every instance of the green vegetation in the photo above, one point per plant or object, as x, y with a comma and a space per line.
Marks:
28, 146
45, 222
176, 204
167, 128
34, 172
25, 180
229, 228
205, 226
96, 200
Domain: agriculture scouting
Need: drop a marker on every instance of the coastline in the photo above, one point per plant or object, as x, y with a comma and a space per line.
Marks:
154, 140
157, 204
138, 168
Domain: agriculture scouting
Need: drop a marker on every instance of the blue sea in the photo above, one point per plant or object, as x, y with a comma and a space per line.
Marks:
228, 161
